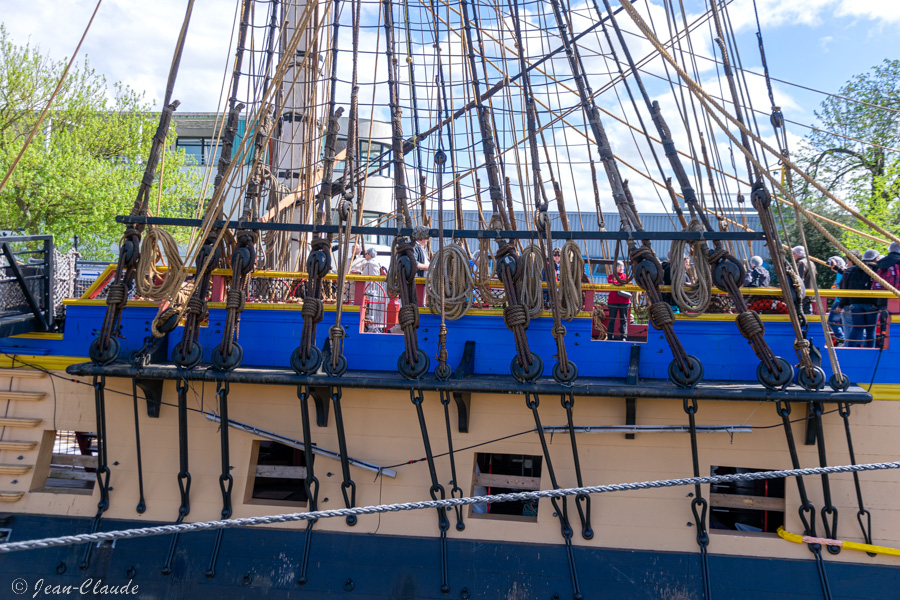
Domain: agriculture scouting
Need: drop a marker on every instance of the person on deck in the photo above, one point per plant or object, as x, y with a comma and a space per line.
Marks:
358, 260
806, 269
836, 316
888, 268
422, 256
370, 267
757, 275
619, 304
863, 312
375, 296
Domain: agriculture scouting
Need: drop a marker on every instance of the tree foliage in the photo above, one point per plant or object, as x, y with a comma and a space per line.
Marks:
853, 152
85, 163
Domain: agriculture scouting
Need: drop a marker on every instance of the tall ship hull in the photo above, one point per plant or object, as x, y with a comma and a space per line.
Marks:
318, 396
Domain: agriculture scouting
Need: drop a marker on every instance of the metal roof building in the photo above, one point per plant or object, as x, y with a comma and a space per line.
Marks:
587, 221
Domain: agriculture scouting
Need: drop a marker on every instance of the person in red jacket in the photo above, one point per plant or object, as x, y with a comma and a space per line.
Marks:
619, 304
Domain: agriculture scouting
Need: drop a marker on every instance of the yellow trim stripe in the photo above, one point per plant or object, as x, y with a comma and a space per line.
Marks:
802, 539
885, 391
99, 281
38, 335
478, 312
51, 363
596, 287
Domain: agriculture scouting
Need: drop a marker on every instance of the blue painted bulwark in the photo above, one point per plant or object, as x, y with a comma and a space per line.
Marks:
269, 336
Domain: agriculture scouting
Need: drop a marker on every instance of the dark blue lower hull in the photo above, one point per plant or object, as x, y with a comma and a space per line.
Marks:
257, 562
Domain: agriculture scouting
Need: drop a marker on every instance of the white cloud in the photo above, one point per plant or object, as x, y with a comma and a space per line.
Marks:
133, 42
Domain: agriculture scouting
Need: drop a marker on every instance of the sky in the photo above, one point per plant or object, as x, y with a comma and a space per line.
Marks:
818, 44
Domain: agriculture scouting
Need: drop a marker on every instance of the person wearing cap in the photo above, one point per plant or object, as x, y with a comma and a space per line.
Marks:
618, 303
557, 256
757, 275
806, 269
863, 312
836, 316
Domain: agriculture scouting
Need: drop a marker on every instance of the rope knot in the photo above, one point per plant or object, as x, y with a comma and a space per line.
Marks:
661, 314
559, 331
321, 244
515, 316
750, 324
235, 299
801, 344
336, 333
639, 253
312, 309
408, 317
195, 305
117, 293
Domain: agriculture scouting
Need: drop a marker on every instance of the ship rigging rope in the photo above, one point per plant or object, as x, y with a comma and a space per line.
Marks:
430, 504
693, 298
244, 149
708, 103
156, 244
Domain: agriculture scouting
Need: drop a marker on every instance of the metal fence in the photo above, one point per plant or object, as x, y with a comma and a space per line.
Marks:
26, 283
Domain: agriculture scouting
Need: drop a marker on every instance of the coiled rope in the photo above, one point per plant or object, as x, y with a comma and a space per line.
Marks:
159, 243
571, 268
529, 286
432, 504
450, 283
692, 298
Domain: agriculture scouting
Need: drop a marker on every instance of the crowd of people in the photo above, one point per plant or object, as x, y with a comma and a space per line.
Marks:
853, 321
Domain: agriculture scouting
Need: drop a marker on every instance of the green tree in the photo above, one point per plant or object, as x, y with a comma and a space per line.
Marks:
85, 164
852, 154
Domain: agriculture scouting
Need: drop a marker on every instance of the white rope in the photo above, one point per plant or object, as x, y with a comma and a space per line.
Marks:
428, 504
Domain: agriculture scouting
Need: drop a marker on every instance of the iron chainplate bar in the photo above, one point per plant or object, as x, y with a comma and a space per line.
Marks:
699, 505
806, 510
436, 488
102, 466
311, 483
582, 501
348, 486
532, 401
184, 475
863, 515
483, 384
141, 505
226, 481
456, 491
488, 234
828, 509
